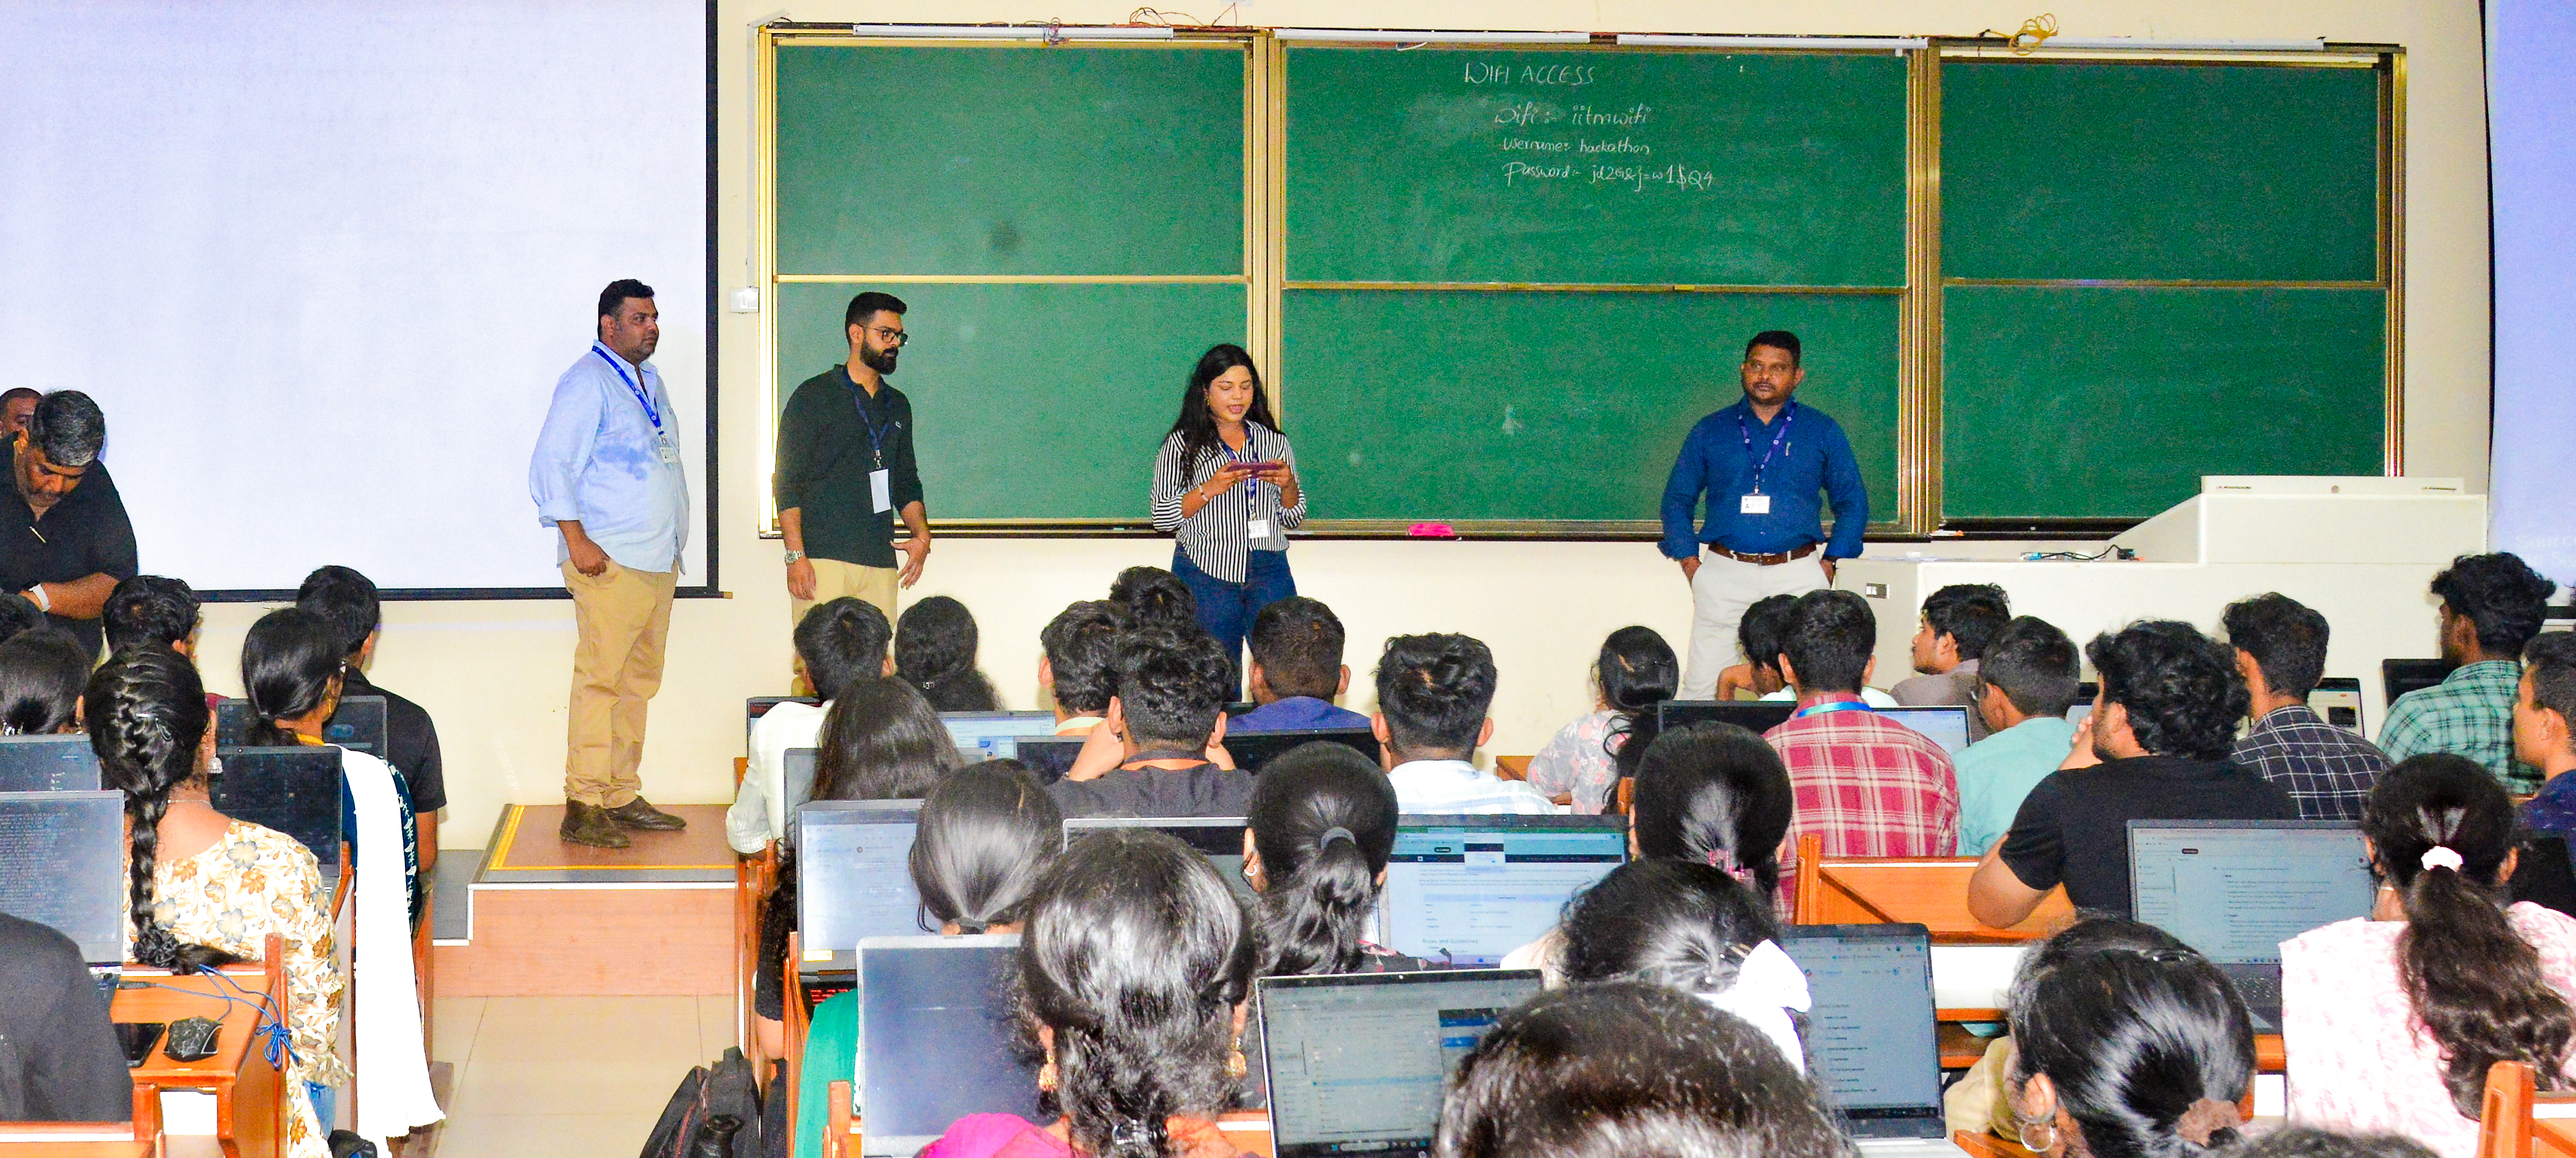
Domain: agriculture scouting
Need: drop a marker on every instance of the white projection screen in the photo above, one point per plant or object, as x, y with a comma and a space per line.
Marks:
322, 262
2531, 135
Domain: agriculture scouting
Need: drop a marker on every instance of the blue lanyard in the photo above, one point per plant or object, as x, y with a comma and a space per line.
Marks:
1836, 706
859, 401
640, 396
1779, 439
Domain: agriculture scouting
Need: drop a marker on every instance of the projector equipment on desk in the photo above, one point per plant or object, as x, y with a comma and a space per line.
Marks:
2110, 552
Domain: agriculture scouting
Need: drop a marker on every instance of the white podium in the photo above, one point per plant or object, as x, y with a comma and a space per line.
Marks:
2362, 551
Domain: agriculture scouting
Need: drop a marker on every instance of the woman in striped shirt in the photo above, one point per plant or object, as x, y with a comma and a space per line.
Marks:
1225, 486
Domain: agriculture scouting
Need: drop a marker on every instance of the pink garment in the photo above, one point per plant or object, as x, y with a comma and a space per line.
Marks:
2359, 1061
996, 1136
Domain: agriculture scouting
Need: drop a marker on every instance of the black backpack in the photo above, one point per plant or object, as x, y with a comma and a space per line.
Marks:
716, 1113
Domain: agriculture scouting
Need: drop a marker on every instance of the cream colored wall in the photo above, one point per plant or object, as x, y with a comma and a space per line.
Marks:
495, 674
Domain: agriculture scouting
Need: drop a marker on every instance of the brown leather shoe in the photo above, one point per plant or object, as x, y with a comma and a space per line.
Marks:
641, 815
589, 824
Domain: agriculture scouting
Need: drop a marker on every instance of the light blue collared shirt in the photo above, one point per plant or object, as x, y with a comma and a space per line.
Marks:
599, 460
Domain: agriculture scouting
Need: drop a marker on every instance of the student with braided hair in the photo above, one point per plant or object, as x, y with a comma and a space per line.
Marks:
206, 889
2392, 1021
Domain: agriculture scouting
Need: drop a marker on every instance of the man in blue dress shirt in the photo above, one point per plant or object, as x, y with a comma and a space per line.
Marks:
1767, 465
606, 474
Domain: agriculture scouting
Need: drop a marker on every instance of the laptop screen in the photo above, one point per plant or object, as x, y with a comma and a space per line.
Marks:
2338, 699
2236, 889
1357, 1064
1218, 838
62, 864
296, 791
1756, 715
358, 724
982, 736
1253, 751
48, 764
1049, 757
1465, 890
1946, 726
940, 1043
854, 876
1871, 1031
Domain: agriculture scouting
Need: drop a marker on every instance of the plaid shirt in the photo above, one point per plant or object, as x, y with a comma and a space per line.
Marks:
1869, 785
2470, 713
2326, 769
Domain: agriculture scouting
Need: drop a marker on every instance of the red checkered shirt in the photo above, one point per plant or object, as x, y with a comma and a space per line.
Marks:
1869, 785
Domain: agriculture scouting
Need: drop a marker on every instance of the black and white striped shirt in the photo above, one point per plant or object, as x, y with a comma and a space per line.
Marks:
1218, 539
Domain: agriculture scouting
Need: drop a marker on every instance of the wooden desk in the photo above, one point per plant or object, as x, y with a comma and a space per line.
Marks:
250, 1094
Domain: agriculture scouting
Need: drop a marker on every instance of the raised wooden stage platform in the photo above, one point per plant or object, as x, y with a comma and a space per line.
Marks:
548, 918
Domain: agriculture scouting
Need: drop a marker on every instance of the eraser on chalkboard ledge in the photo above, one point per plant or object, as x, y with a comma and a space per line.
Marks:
1431, 531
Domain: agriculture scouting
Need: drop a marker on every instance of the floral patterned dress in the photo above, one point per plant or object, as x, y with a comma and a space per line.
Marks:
1580, 760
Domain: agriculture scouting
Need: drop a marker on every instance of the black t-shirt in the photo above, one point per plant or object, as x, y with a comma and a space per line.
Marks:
2073, 828
411, 744
84, 534
1201, 790
59, 1061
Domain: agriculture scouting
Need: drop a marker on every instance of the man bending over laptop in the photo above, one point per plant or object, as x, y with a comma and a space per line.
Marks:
1432, 695
1170, 706
839, 643
1297, 669
1869, 785
2281, 651
2155, 748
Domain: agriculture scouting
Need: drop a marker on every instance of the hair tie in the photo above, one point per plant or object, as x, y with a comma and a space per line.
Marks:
2441, 856
1723, 860
1336, 832
1132, 1134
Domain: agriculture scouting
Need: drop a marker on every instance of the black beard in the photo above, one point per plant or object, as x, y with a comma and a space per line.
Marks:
882, 363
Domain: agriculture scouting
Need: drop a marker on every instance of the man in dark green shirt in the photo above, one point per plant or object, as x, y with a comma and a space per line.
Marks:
846, 470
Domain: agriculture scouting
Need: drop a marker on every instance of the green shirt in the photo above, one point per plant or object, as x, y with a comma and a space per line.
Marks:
1996, 772
2470, 713
825, 455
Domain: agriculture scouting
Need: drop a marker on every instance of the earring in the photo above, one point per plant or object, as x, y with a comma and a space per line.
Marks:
1046, 1074
2024, 1126
1236, 1065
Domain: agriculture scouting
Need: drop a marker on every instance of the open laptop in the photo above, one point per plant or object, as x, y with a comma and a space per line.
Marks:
297, 791
1048, 757
982, 736
48, 764
1870, 1033
358, 724
796, 772
1357, 1064
1944, 725
853, 881
62, 865
2338, 699
1254, 750
940, 1042
2236, 889
1462, 891
1218, 838
1757, 716
2400, 676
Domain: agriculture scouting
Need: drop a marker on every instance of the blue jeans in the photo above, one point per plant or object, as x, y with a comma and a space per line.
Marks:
1226, 609
321, 1098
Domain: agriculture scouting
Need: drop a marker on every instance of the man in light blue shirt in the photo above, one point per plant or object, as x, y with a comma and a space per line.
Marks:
606, 474
2024, 684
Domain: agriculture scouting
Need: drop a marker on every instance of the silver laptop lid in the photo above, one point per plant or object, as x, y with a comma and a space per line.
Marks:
1870, 1030
1357, 1064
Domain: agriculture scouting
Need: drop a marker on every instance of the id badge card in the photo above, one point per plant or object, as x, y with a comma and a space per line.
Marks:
670, 450
1756, 505
881, 489
1261, 528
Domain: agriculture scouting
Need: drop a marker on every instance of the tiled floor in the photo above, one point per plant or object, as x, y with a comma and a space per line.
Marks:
552, 1076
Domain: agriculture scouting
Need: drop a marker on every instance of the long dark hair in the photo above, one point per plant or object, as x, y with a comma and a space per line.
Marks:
1136, 957
42, 673
1713, 794
1320, 891
2474, 982
290, 665
1196, 425
2136, 1031
1674, 923
1637, 670
881, 741
147, 716
986, 835
934, 650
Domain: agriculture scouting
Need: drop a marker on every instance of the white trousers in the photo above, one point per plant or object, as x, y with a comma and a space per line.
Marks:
1719, 594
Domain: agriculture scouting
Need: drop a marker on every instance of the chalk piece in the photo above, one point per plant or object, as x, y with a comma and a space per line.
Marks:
1432, 531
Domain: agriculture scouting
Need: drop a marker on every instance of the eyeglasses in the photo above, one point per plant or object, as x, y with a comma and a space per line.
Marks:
896, 338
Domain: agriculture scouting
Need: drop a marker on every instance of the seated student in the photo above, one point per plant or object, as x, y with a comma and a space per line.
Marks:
151, 609
1315, 843
2126, 1042
837, 643
1867, 784
2028, 675
1635, 671
1624, 1069
935, 643
1697, 929
42, 673
2155, 748
1169, 710
59, 1060
2491, 606
1765, 626
292, 674
1958, 621
1432, 694
2544, 729
1135, 976
1079, 669
985, 837
1296, 669
1154, 596
2393, 1020
205, 889
347, 600
2281, 651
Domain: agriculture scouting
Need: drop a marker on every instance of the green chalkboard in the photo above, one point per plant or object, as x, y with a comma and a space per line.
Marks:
2059, 169
1474, 405
1030, 401
1595, 166
1010, 160
2109, 402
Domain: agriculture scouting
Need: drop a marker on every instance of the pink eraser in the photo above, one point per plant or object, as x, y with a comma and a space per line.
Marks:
1433, 531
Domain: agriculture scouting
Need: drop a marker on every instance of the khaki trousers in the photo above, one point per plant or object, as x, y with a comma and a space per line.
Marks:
834, 579
1719, 594
623, 619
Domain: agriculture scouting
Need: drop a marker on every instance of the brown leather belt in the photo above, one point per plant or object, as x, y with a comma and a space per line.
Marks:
1763, 560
